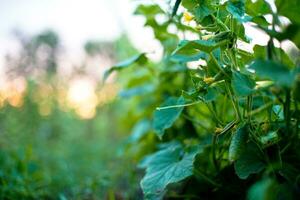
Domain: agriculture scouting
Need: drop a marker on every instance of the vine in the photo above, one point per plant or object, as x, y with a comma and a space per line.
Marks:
232, 129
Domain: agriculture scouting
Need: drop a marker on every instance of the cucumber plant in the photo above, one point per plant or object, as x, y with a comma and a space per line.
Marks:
213, 120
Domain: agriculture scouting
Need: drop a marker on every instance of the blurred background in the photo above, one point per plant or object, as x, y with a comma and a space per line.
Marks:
59, 131
63, 131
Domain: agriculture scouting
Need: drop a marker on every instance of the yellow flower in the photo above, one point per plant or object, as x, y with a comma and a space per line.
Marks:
208, 80
187, 17
218, 130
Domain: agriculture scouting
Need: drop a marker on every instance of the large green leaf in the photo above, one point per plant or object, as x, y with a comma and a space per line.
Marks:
193, 50
290, 9
277, 72
237, 9
190, 4
203, 10
211, 94
138, 59
262, 190
250, 162
200, 45
188, 55
242, 84
261, 52
257, 8
138, 90
199, 8
169, 165
164, 118
238, 143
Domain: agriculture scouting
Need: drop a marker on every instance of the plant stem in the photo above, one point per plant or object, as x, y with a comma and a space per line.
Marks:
178, 106
214, 114
249, 107
228, 127
234, 102
260, 109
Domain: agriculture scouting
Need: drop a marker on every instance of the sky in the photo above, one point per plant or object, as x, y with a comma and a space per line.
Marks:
77, 21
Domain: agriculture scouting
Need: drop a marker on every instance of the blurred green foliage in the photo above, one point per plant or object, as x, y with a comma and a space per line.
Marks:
54, 153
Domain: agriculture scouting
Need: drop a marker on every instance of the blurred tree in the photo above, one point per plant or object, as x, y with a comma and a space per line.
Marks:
94, 47
115, 50
37, 55
48, 41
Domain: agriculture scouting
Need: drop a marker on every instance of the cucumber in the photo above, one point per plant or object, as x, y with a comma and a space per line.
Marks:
238, 143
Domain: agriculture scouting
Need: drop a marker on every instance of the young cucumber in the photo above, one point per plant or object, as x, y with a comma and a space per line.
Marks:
238, 143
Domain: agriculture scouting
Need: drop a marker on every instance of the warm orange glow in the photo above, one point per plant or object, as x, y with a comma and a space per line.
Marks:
82, 97
107, 93
13, 92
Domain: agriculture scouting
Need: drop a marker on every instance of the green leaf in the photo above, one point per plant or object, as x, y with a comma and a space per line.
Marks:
203, 10
188, 55
139, 90
238, 143
199, 8
249, 162
278, 111
140, 59
164, 118
211, 94
260, 20
277, 72
193, 50
261, 52
150, 11
289, 8
242, 84
139, 130
257, 8
167, 166
262, 190
237, 9
190, 4
296, 90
